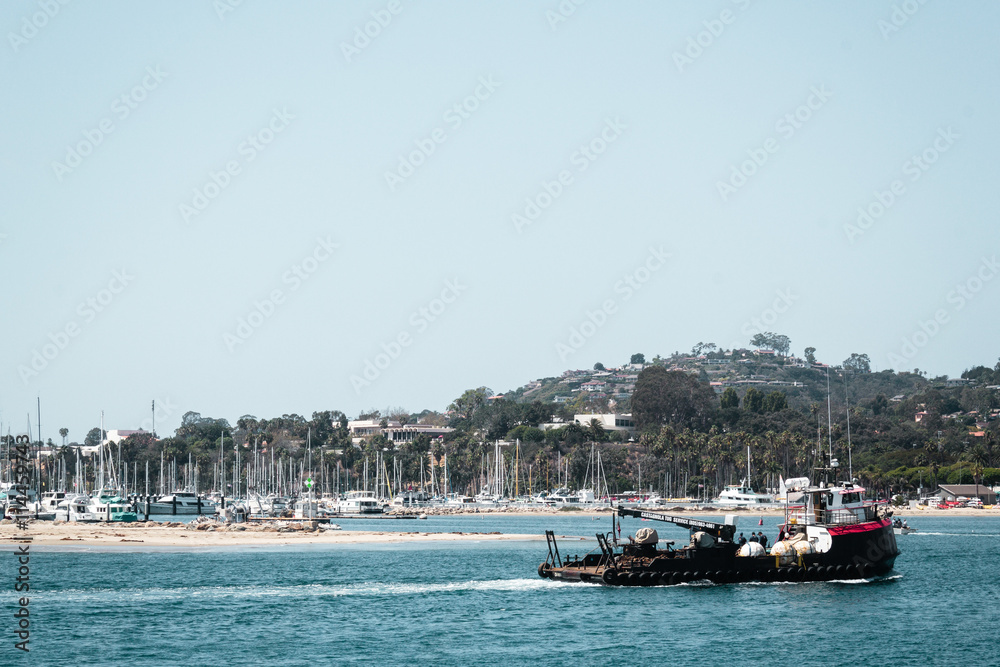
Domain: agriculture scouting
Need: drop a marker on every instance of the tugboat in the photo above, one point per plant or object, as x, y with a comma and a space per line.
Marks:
830, 532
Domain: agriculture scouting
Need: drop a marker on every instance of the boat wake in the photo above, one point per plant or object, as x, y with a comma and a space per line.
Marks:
872, 580
954, 534
365, 589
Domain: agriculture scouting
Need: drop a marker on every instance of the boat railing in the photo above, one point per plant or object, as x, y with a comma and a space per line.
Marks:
840, 517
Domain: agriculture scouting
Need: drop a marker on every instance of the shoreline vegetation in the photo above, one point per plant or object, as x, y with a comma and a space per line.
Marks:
209, 533
684, 426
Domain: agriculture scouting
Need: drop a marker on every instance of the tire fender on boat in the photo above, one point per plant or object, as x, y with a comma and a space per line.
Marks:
610, 576
544, 570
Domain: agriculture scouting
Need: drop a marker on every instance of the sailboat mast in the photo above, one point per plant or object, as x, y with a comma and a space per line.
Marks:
847, 404
829, 415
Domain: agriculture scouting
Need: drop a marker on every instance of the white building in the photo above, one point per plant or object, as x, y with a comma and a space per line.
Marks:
611, 421
393, 430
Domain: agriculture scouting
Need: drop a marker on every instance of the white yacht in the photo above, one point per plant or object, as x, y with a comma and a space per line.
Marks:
742, 495
51, 500
456, 500
109, 505
360, 502
306, 508
411, 499
182, 502
563, 496
76, 508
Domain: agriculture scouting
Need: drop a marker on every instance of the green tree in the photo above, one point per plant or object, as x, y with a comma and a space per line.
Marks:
775, 401
597, 430
859, 363
93, 438
599, 366
638, 358
64, 432
671, 397
470, 401
729, 399
753, 400
762, 340
781, 344
700, 348
811, 355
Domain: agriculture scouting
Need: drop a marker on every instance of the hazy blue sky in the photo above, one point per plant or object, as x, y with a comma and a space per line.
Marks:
697, 168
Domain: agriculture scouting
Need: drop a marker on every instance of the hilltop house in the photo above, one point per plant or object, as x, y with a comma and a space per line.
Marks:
594, 385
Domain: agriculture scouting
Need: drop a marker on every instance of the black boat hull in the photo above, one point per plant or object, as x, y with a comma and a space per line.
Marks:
855, 552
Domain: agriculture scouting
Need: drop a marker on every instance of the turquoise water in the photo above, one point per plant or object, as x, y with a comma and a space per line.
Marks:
482, 603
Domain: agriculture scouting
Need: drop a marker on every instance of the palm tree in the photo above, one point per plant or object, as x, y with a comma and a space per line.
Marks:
596, 430
64, 432
977, 472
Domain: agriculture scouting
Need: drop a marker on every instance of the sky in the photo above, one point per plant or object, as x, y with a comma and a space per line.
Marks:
267, 208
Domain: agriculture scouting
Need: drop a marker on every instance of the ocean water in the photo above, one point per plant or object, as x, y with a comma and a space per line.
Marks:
482, 603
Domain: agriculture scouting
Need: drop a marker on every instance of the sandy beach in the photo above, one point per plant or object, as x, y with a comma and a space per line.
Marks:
212, 534
173, 535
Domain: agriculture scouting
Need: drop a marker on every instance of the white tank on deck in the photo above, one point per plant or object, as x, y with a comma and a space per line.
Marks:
751, 549
646, 536
784, 551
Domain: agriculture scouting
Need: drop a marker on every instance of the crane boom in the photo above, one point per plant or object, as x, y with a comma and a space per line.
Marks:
723, 531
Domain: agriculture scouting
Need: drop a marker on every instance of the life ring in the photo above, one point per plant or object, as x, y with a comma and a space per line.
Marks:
544, 570
610, 576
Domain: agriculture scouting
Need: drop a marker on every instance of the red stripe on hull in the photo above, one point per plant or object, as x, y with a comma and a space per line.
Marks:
858, 527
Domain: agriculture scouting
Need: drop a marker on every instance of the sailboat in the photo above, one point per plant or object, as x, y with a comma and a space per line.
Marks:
107, 502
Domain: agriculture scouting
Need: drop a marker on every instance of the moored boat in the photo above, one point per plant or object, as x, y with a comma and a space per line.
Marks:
182, 502
360, 502
109, 505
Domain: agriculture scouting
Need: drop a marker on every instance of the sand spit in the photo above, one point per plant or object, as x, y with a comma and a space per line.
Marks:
212, 534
